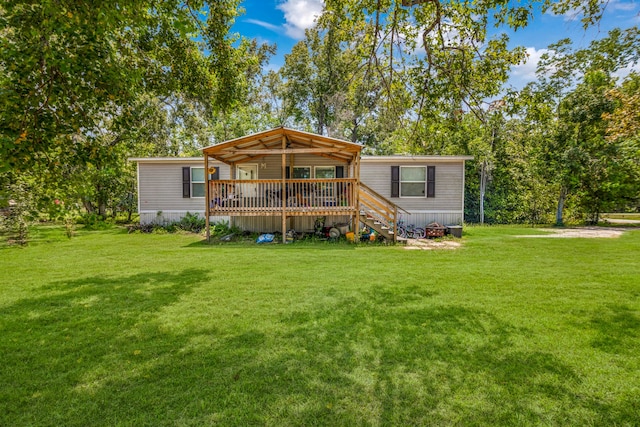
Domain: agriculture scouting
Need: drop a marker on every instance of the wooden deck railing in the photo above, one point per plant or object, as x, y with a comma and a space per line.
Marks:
268, 197
379, 208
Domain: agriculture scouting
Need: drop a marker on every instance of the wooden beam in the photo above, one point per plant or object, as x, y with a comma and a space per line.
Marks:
283, 190
207, 196
267, 151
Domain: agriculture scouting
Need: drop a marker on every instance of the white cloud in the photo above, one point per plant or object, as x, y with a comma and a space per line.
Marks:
527, 70
621, 5
300, 15
576, 13
263, 24
624, 72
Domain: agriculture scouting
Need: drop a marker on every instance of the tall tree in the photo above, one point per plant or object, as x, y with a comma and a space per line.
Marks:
67, 65
578, 114
84, 87
623, 129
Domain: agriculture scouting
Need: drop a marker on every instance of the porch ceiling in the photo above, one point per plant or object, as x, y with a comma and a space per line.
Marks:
270, 142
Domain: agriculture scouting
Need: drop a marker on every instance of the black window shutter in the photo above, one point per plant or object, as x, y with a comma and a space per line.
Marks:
339, 171
186, 182
214, 173
431, 181
395, 181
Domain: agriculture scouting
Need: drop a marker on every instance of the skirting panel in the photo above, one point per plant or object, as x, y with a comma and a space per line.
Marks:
270, 224
420, 219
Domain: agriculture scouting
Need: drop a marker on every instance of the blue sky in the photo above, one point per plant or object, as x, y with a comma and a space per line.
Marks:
283, 22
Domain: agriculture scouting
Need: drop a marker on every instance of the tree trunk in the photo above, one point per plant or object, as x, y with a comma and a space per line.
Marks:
102, 210
88, 206
559, 212
483, 188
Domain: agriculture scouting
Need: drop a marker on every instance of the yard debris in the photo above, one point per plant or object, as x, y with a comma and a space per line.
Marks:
265, 238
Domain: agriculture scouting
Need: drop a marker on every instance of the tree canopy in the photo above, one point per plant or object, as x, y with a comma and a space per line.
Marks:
84, 88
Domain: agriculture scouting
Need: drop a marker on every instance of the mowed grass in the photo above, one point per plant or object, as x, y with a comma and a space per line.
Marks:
115, 329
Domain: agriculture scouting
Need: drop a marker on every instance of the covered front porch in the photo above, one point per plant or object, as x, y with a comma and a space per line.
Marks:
272, 197
284, 173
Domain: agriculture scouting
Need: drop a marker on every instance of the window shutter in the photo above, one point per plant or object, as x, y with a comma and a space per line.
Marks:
431, 181
186, 182
288, 172
339, 171
395, 181
214, 173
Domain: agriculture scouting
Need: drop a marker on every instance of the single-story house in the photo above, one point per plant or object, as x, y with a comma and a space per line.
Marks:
283, 178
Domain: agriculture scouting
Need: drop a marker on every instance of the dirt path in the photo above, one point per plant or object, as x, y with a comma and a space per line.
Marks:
430, 244
622, 221
581, 232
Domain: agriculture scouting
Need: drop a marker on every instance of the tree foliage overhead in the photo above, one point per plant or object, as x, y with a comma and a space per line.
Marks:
421, 61
83, 87
68, 67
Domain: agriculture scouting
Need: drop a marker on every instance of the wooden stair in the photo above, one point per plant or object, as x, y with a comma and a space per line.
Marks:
378, 213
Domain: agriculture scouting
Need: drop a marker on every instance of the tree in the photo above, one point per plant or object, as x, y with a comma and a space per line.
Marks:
624, 121
314, 77
623, 128
65, 67
83, 88
578, 116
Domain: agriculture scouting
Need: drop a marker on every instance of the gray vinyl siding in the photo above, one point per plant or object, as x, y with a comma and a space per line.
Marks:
160, 187
421, 219
273, 165
160, 190
449, 184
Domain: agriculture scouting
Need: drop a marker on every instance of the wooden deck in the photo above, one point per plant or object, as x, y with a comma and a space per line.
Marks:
291, 197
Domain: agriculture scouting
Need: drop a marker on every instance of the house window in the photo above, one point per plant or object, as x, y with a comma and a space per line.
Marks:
413, 180
245, 172
325, 172
197, 182
301, 172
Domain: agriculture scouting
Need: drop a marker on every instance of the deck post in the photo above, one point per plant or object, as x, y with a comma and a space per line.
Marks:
233, 173
356, 198
283, 190
207, 196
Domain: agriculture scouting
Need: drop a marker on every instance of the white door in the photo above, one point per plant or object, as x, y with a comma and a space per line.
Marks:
246, 172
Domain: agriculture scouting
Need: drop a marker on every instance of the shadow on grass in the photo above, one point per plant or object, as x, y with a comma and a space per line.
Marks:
93, 352
618, 330
77, 339
381, 359
277, 246
426, 366
44, 234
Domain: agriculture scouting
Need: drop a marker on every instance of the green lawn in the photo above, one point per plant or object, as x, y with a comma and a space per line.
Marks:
115, 329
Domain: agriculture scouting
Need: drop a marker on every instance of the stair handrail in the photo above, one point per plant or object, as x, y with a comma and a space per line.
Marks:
383, 208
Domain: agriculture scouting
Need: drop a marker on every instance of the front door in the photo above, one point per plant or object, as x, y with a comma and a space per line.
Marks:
247, 172
247, 190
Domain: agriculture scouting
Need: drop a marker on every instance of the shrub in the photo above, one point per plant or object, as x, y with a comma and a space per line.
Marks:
222, 228
20, 213
193, 223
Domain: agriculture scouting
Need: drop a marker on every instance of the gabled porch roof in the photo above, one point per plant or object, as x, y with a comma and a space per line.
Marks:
282, 140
